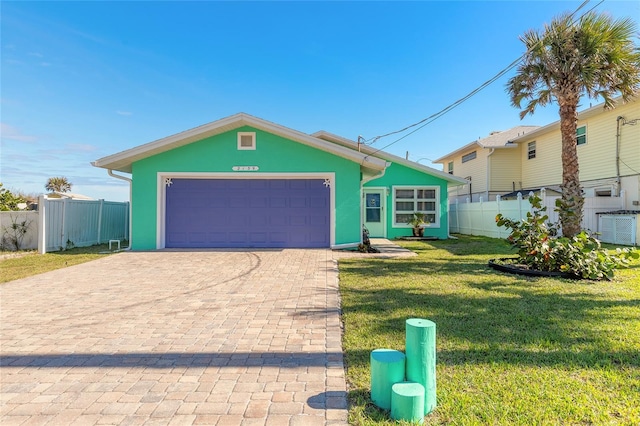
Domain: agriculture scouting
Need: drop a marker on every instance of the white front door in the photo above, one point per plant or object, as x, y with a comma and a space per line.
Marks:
374, 212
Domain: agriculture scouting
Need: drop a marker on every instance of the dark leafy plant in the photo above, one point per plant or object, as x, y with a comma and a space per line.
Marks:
540, 248
14, 233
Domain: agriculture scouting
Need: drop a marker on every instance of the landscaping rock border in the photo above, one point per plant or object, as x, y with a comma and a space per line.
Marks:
515, 269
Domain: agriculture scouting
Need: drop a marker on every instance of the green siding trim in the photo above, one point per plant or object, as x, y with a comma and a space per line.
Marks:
399, 175
218, 154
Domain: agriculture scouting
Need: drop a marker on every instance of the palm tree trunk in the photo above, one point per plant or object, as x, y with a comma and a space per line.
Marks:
572, 199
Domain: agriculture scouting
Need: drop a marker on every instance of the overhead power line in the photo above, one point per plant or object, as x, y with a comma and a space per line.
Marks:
422, 123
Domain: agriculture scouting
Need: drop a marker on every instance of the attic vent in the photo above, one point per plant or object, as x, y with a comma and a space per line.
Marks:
246, 140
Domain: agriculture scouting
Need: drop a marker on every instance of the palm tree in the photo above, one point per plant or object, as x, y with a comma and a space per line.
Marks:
595, 56
58, 184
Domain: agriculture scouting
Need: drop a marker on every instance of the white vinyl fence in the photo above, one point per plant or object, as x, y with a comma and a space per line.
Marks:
479, 218
64, 223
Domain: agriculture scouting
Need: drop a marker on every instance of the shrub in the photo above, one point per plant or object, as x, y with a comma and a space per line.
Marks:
540, 248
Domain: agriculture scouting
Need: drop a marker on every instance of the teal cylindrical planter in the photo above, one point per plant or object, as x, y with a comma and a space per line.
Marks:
407, 402
421, 357
387, 369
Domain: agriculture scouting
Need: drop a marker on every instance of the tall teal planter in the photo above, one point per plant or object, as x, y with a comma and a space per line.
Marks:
421, 357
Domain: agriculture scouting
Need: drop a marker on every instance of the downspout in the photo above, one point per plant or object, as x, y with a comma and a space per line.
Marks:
110, 172
489, 172
618, 178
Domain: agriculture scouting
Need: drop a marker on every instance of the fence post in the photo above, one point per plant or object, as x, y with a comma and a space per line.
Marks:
468, 217
520, 206
127, 230
498, 199
457, 216
42, 225
100, 220
65, 202
481, 227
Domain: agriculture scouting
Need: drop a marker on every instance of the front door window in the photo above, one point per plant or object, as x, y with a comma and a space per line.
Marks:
374, 215
373, 208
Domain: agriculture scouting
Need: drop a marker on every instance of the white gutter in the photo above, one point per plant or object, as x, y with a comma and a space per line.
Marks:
110, 172
489, 171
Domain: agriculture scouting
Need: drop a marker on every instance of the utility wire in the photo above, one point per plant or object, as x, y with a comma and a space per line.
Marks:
422, 123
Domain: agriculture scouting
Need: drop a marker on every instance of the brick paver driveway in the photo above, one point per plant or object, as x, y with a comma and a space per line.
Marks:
175, 337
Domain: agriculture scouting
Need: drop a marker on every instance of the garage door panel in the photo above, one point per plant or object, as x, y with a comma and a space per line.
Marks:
247, 213
258, 237
278, 202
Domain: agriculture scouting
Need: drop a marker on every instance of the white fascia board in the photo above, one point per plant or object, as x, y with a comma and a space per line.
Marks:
122, 161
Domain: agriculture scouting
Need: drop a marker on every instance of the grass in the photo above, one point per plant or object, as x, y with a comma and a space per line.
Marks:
511, 350
32, 263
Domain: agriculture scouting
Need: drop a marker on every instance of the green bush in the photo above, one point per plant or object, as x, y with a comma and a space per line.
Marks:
540, 247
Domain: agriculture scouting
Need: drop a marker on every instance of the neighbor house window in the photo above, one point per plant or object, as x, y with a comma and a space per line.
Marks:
246, 140
407, 200
450, 167
581, 135
468, 157
531, 150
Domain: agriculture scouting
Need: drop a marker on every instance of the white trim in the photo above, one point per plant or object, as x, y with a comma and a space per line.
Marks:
383, 206
344, 246
436, 224
252, 147
162, 191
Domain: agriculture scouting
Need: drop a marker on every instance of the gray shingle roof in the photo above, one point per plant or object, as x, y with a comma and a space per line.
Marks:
498, 139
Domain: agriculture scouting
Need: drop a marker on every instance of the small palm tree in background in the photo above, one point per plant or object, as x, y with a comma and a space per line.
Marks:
58, 184
595, 56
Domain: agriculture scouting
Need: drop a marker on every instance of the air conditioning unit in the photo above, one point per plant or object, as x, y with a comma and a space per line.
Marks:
618, 228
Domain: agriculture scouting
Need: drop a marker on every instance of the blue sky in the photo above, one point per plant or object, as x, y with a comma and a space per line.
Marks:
82, 80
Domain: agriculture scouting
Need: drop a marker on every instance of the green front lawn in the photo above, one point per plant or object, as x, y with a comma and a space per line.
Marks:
510, 350
26, 264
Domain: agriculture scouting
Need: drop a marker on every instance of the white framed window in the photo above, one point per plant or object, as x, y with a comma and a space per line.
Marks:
468, 157
410, 199
450, 167
531, 150
246, 140
581, 135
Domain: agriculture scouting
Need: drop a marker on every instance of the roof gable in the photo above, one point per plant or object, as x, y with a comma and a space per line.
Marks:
122, 161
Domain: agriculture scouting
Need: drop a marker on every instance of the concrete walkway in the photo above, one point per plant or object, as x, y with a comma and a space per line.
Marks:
184, 337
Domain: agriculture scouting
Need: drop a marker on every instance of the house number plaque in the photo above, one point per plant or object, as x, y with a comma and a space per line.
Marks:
245, 168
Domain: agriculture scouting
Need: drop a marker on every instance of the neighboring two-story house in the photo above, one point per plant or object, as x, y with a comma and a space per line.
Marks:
527, 158
608, 153
490, 165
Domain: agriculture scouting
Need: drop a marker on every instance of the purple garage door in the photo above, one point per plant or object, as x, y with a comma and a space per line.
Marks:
247, 213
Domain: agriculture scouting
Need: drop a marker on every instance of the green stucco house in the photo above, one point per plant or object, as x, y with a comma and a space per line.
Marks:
249, 183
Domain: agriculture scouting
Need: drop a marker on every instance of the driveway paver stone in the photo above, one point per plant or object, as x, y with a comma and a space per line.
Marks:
175, 337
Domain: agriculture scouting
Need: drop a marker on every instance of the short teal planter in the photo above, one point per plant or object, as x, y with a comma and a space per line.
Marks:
407, 402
